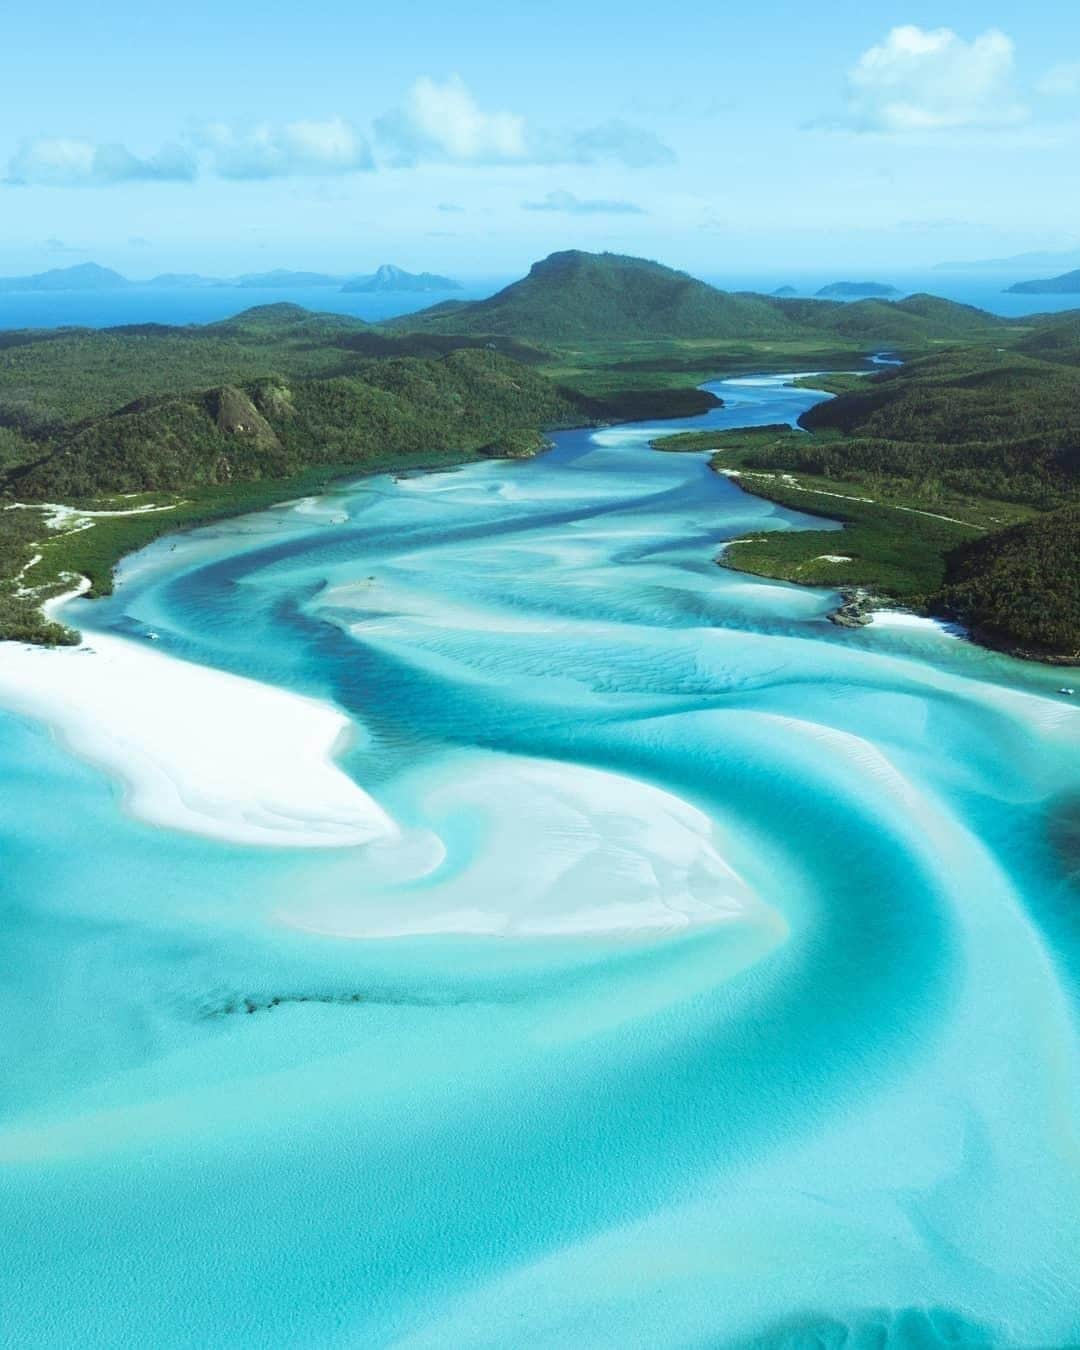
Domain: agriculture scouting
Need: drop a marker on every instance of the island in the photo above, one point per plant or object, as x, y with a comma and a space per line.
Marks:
392, 279
92, 277
856, 290
1066, 284
86, 276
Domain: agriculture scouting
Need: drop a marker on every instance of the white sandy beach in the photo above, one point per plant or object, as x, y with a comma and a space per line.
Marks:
196, 749
901, 618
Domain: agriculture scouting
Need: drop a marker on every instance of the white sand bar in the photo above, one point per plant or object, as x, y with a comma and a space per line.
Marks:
197, 749
541, 848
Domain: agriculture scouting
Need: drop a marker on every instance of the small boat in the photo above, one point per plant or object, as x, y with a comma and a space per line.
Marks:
152, 637
1067, 691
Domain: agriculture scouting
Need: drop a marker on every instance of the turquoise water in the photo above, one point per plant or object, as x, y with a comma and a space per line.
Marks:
719, 991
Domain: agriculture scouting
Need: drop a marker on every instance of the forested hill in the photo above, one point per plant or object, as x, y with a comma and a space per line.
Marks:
50, 377
571, 296
986, 422
1020, 587
1054, 337
273, 427
958, 477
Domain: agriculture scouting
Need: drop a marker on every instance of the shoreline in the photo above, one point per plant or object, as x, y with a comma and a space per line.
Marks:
870, 603
858, 602
98, 560
196, 749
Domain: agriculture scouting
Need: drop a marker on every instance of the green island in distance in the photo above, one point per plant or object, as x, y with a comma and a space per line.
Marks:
956, 474
1066, 284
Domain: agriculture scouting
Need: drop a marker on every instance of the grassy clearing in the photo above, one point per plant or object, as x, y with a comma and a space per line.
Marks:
896, 539
889, 549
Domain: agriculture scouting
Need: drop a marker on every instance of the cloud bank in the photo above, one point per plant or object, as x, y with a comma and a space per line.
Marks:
296, 149
443, 123
63, 162
436, 123
932, 80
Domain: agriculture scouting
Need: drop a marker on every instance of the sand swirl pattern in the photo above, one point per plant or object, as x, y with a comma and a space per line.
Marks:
654, 964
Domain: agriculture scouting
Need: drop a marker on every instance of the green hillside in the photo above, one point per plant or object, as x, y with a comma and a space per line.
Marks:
1020, 587
271, 428
980, 430
51, 377
911, 323
984, 422
958, 479
573, 296
1054, 338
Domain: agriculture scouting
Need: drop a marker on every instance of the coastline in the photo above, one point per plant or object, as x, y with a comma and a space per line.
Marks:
143, 525
858, 605
96, 552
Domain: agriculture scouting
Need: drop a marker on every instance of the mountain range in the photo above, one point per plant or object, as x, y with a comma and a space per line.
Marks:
1019, 262
90, 276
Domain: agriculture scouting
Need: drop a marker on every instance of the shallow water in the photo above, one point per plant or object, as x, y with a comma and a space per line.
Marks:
718, 989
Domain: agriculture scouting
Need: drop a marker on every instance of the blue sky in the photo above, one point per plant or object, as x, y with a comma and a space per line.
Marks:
474, 137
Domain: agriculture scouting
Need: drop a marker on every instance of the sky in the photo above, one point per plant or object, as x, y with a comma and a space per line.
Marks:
474, 137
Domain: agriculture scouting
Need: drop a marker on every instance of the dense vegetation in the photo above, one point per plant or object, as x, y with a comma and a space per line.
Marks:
570, 296
307, 398
890, 543
941, 471
1020, 587
913, 324
955, 475
1055, 337
982, 423
270, 428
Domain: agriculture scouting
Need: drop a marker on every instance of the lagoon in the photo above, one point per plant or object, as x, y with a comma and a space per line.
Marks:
694, 973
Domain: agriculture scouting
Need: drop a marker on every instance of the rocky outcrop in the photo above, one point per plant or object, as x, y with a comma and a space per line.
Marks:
236, 415
855, 609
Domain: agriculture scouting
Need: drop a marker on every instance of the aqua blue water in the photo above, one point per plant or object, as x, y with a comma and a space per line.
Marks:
272, 1097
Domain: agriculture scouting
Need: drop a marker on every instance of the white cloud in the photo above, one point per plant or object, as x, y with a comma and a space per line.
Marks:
932, 80
1063, 79
68, 162
576, 206
443, 122
329, 147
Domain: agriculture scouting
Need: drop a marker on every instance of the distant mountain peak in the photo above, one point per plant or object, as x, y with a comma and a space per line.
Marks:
86, 276
389, 277
571, 295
